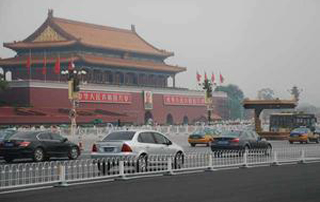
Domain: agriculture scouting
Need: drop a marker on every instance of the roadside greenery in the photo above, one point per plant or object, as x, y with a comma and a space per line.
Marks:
235, 98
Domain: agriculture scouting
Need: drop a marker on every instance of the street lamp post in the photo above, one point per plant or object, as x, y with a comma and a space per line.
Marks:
74, 78
207, 86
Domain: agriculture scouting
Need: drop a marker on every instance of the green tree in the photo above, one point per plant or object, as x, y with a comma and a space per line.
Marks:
266, 94
235, 98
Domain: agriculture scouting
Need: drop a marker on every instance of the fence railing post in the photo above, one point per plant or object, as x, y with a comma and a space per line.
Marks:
275, 159
121, 170
169, 167
245, 159
62, 176
210, 163
302, 157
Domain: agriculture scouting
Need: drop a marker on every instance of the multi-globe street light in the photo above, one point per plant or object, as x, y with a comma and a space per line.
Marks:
74, 77
207, 86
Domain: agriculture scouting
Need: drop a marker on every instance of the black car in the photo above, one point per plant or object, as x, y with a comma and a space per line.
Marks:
5, 134
240, 140
38, 145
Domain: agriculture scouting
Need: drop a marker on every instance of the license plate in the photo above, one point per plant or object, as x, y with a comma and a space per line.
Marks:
8, 144
108, 149
223, 142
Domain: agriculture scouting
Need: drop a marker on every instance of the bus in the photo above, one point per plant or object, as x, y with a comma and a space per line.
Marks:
286, 121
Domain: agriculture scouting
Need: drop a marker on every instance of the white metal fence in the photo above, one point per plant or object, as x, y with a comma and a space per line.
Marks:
13, 176
180, 129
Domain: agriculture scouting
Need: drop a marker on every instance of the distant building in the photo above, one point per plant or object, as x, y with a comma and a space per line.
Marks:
126, 80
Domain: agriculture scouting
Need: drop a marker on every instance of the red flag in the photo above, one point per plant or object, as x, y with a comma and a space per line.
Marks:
198, 77
28, 65
57, 66
221, 78
71, 65
205, 76
44, 69
212, 78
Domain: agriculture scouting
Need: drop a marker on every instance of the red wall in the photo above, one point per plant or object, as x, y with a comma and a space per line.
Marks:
58, 98
55, 98
16, 96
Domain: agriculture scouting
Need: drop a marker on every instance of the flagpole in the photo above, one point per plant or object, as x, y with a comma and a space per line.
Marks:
59, 69
30, 72
45, 75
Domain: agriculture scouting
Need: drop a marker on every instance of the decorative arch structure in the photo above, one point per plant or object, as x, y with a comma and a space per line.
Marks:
147, 115
185, 120
169, 119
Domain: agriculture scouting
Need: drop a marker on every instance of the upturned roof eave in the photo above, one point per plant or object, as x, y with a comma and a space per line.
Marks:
14, 62
16, 46
38, 45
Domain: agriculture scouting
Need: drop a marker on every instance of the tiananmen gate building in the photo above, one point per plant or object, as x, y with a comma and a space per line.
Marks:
126, 78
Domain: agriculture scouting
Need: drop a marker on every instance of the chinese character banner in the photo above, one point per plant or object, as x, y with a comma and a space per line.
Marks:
105, 97
183, 100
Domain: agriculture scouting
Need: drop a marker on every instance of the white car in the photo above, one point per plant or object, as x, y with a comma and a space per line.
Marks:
138, 144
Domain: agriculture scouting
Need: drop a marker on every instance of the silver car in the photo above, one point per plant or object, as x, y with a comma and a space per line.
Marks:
138, 144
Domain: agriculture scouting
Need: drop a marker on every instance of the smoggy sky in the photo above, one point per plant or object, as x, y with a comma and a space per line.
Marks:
254, 43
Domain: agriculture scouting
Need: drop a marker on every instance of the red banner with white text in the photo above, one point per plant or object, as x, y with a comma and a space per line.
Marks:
105, 97
183, 100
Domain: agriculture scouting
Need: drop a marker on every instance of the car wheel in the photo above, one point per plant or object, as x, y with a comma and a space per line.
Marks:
73, 153
192, 144
142, 163
290, 142
317, 140
208, 144
268, 150
8, 159
178, 160
301, 142
38, 155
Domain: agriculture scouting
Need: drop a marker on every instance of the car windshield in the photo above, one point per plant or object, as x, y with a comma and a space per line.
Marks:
198, 132
5, 134
24, 135
231, 134
301, 130
121, 135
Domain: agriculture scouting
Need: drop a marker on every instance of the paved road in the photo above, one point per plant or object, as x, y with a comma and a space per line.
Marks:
290, 183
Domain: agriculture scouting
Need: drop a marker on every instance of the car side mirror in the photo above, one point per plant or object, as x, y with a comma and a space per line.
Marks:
168, 143
64, 139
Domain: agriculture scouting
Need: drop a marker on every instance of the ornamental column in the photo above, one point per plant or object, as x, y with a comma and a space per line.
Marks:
174, 81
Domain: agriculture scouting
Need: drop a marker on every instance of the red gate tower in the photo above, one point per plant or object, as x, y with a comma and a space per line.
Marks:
121, 70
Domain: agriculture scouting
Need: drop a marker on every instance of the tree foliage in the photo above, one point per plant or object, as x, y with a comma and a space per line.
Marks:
266, 94
235, 98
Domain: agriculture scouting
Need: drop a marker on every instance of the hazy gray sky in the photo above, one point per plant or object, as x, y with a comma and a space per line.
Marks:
253, 43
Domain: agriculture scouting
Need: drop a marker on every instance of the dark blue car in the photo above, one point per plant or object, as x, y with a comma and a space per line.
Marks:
240, 140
